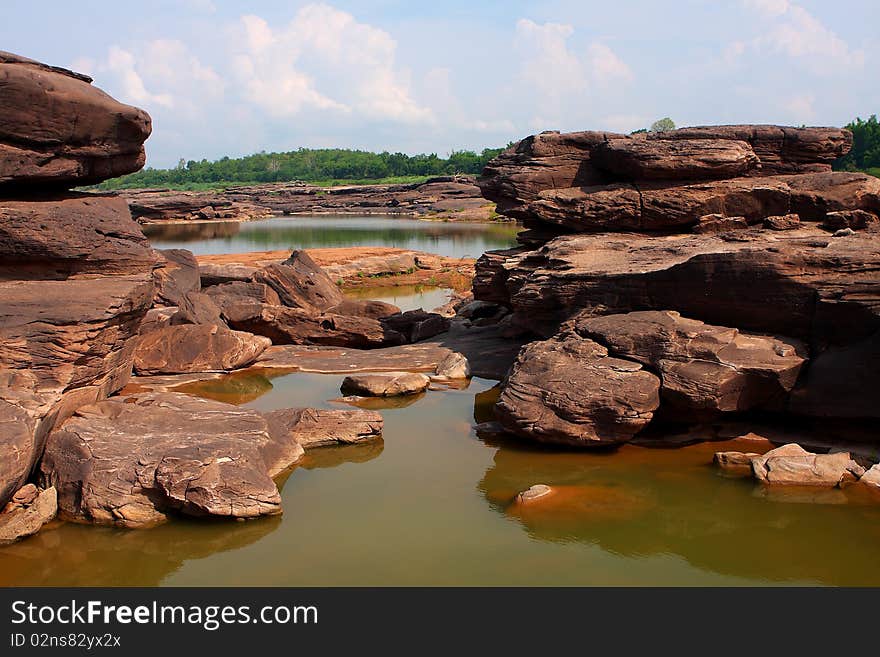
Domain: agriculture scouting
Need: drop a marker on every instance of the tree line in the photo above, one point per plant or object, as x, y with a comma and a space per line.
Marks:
309, 165
865, 153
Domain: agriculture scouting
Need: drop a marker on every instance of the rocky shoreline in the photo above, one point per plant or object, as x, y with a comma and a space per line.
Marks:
442, 198
666, 286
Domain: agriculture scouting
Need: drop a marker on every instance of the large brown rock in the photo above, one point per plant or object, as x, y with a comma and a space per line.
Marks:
316, 427
569, 390
58, 129
196, 348
59, 235
26, 514
657, 207
300, 283
385, 384
227, 295
549, 160
177, 276
704, 369
130, 461
674, 159
284, 325
800, 283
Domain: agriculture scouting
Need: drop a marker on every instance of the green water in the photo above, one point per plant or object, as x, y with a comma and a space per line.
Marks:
431, 504
452, 239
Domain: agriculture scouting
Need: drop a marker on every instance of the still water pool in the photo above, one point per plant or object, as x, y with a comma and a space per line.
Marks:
430, 505
452, 239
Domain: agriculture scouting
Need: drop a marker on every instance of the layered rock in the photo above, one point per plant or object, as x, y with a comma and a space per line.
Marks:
569, 390
27, 512
667, 249
196, 348
385, 384
60, 130
315, 427
131, 461
76, 275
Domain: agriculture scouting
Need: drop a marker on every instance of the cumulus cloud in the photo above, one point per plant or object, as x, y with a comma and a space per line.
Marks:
324, 58
795, 32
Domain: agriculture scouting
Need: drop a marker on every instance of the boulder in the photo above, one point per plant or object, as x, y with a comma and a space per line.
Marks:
416, 325
196, 348
783, 222
229, 294
60, 130
453, 366
872, 477
197, 308
27, 512
214, 274
718, 223
364, 308
857, 219
284, 325
792, 465
643, 158
385, 384
315, 427
59, 235
533, 493
704, 369
569, 390
300, 283
178, 276
130, 461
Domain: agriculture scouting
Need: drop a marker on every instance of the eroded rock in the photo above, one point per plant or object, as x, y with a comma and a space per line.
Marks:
792, 465
186, 348
315, 427
385, 384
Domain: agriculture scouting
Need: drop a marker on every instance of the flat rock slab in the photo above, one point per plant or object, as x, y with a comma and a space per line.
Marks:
385, 384
571, 391
187, 348
129, 461
315, 427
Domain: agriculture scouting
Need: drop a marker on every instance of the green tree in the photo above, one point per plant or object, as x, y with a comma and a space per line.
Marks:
865, 152
663, 125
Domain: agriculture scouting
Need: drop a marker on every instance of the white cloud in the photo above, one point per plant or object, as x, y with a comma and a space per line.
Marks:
800, 108
121, 63
795, 32
325, 59
606, 66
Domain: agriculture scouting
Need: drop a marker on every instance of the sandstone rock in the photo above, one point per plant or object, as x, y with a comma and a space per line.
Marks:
178, 276
416, 325
735, 462
157, 318
659, 207
793, 465
844, 232
227, 295
314, 427
533, 493
58, 129
545, 161
26, 514
569, 390
453, 366
197, 308
213, 274
849, 219
129, 461
300, 283
490, 278
872, 477
196, 348
297, 326
365, 308
783, 222
385, 384
718, 223
704, 369
59, 235
674, 159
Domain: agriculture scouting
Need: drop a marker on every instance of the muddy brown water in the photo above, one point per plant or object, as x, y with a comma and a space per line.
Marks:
431, 504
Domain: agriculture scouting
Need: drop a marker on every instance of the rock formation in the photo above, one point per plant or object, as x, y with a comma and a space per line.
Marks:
76, 275
728, 262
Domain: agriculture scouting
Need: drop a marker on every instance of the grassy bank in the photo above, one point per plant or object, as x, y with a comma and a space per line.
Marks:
123, 183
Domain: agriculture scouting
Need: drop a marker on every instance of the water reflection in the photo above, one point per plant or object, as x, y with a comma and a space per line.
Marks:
453, 239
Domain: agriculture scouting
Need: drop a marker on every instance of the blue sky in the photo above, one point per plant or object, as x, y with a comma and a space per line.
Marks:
231, 78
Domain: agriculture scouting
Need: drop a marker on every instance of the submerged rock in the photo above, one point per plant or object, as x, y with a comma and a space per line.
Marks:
792, 465
735, 462
385, 384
